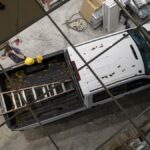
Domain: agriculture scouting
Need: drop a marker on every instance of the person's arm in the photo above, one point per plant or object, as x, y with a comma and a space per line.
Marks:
17, 52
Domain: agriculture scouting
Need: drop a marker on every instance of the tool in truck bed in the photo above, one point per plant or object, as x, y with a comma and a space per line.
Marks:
33, 94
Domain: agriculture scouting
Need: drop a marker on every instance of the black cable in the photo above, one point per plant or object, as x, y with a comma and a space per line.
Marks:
82, 24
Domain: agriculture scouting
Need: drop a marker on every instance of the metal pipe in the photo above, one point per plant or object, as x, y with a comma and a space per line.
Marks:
145, 33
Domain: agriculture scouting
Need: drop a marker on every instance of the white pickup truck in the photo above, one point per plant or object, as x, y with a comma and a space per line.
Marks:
124, 69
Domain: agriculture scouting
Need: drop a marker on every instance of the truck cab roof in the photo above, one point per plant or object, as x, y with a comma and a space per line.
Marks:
122, 61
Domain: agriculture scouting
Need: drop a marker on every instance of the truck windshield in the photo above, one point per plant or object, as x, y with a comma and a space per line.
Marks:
144, 48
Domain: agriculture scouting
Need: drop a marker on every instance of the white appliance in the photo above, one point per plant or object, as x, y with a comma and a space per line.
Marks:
97, 19
110, 15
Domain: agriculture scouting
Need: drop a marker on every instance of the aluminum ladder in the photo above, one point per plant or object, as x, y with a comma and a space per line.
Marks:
23, 97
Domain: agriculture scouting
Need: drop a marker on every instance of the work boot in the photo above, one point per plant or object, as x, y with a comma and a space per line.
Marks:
2, 6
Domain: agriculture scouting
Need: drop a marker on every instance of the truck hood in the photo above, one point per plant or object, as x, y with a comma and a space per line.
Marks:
118, 63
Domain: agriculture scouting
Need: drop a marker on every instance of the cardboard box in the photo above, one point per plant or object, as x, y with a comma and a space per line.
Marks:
97, 3
89, 7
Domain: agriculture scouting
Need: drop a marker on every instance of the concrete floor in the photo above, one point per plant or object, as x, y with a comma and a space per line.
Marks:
83, 131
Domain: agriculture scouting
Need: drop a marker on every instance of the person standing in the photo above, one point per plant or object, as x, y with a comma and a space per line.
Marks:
14, 54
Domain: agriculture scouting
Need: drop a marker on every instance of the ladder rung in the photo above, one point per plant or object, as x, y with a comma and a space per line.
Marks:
48, 90
24, 96
34, 93
3, 101
63, 87
44, 91
54, 90
20, 100
27, 88
13, 99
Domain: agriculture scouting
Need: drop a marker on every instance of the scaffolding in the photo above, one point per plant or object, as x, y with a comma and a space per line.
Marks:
140, 28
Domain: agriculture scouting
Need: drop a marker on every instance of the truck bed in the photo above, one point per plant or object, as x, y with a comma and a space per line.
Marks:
52, 69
